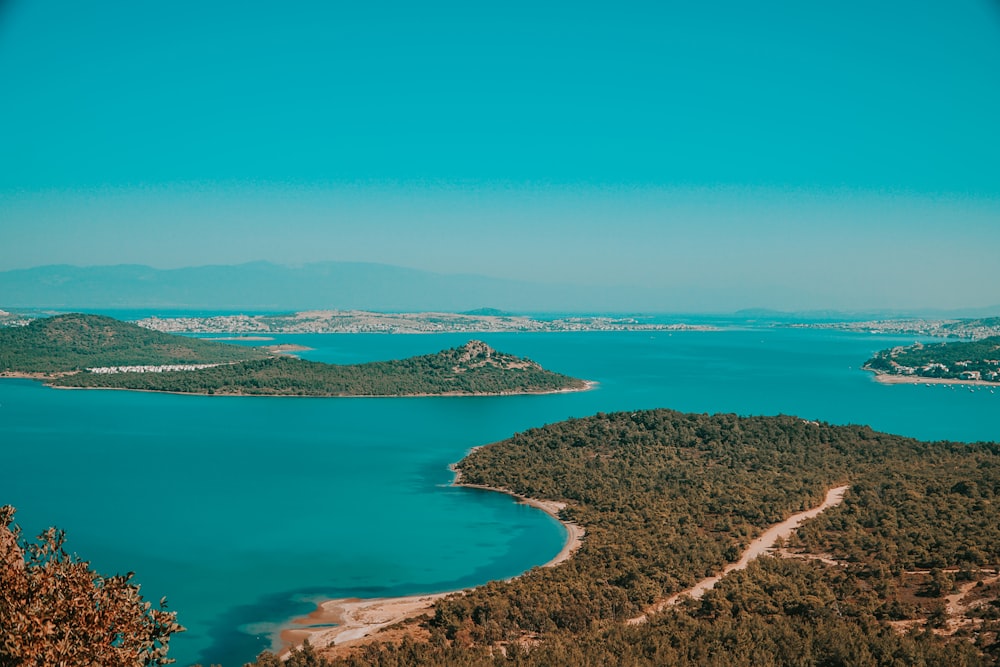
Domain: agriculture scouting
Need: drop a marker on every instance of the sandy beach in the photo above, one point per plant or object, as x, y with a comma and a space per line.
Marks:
763, 544
886, 378
357, 618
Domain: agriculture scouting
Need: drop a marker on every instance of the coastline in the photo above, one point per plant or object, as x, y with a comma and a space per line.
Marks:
42, 377
358, 618
888, 378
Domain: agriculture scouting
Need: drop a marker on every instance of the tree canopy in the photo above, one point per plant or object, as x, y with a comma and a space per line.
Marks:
63, 347
978, 359
55, 610
669, 498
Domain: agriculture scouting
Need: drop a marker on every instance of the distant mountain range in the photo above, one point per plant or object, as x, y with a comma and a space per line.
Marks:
264, 286
267, 287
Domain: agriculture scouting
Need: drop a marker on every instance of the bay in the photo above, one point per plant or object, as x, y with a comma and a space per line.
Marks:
245, 511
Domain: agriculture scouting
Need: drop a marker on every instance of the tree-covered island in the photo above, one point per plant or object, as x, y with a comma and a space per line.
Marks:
93, 351
974, 361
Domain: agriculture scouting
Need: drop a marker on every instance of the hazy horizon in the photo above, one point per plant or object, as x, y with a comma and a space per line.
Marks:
776, 156
266, 287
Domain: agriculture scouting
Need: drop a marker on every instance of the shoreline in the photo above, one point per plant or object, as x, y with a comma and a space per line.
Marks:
889, 378
588, 385
358, 618
40, 376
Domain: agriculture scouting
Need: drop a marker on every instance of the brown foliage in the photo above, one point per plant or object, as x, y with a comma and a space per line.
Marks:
54, 610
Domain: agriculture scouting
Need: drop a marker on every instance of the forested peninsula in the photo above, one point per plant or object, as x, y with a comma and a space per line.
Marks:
973, 361
904, 571
93, 351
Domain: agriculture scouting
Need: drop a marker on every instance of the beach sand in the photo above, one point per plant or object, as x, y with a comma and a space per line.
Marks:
886, 378
357, 618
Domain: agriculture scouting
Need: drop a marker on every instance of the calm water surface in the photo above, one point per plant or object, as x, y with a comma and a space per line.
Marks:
244, 511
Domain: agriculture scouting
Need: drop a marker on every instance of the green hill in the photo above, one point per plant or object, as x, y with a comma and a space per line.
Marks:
474, 368
974, 360
77, 341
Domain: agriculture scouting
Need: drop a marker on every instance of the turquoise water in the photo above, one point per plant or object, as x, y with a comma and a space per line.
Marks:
243, 511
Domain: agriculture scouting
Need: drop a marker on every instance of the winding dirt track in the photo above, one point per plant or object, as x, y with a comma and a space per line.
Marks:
758, 547
355, 618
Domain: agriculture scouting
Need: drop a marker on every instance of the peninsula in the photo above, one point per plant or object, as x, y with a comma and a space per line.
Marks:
960, 362
900, 555
969, 328
485, 320
93, 351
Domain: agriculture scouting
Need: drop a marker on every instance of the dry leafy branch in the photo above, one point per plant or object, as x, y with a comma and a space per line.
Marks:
54, 610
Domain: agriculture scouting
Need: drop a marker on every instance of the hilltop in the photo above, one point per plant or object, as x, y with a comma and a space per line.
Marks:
94, 351
76, 341
472, 369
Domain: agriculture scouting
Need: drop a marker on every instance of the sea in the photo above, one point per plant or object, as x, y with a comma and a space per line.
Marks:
245, 511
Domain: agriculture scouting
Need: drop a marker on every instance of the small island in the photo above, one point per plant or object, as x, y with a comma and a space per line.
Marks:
963, 362
93, 351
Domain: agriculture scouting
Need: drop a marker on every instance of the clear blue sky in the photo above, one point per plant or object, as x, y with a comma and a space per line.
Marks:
808, 155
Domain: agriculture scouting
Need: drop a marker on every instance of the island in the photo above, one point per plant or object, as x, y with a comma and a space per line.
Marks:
898, 564
94, 351
967, 362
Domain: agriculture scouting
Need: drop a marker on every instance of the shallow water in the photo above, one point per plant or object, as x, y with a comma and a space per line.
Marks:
244, 511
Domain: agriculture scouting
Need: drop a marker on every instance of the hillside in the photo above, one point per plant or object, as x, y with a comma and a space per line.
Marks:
977, 360
76, 341
474, 368
668, 498
94, 351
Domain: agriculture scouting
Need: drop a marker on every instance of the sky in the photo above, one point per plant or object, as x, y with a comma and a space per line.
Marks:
801, 155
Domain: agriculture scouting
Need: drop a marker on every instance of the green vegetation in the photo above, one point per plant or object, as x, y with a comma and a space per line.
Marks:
668, 498
975, 360
472, 369
54, 610
77, 341
62, 347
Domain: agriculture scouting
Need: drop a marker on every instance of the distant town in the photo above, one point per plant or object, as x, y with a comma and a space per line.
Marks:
358, 321
970, 329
